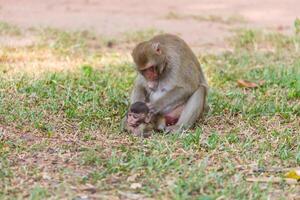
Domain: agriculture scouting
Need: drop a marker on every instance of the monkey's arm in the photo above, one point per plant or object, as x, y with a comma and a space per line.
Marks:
138, 92
139, 131
146, 130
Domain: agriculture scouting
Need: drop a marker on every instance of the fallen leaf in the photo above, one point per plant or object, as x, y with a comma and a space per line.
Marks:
89, 188
113, 180
129, 195
46, 176
293, 174
135, 185
170, 182
261, 82
246, 84
132, 177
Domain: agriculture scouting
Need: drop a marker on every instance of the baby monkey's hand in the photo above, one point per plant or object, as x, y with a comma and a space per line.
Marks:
152, 109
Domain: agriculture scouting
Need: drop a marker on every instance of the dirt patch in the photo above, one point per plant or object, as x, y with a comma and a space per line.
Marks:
112, 18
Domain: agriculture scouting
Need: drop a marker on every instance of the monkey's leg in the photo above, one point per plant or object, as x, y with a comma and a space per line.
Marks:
193, 109
160, 123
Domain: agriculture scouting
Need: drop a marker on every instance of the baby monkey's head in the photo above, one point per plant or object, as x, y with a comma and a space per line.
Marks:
138, 113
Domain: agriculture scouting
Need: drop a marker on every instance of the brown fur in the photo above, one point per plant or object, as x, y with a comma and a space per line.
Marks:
181, 79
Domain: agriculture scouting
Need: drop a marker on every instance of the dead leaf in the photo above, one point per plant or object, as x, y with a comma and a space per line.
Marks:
272, 180
89, 188
46, 176
113, 179
261, 82
135, 185
171, 181
129, 195
248, 84
132, 177
293, 174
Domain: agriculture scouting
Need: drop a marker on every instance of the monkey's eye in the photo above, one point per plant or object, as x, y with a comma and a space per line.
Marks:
153, 68
134, 116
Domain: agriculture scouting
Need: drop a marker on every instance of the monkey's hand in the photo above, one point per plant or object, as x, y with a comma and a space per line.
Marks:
172, 129
137, 132
152, 109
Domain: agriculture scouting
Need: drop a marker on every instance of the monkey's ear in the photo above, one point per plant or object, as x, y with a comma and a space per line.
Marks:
156, 47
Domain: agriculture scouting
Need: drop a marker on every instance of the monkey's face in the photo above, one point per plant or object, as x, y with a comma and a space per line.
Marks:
151, 74
150, 61
135, 119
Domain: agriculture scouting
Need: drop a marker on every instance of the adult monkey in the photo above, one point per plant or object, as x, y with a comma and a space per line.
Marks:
169, 78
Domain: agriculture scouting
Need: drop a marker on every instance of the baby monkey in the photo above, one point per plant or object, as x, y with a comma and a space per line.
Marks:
139, 120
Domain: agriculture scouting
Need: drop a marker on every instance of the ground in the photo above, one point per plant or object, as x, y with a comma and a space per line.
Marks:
203, 24
65, 79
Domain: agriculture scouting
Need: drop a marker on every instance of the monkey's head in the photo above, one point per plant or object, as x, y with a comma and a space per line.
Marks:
150, 61
138, 113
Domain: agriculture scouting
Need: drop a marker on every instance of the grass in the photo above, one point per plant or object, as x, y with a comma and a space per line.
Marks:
62, 100
141, 35
230, 20
8, 29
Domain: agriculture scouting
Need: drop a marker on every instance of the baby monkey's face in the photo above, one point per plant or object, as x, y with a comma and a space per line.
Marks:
135, 119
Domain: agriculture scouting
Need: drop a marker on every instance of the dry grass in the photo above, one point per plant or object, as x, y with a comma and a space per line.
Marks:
230, 20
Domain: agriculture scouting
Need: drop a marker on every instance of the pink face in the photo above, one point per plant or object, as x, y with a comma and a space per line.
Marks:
135, 119
150, 73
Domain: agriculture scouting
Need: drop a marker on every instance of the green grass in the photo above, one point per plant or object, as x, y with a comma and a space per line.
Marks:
230, 20
8, 29
60, 136
141, 35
